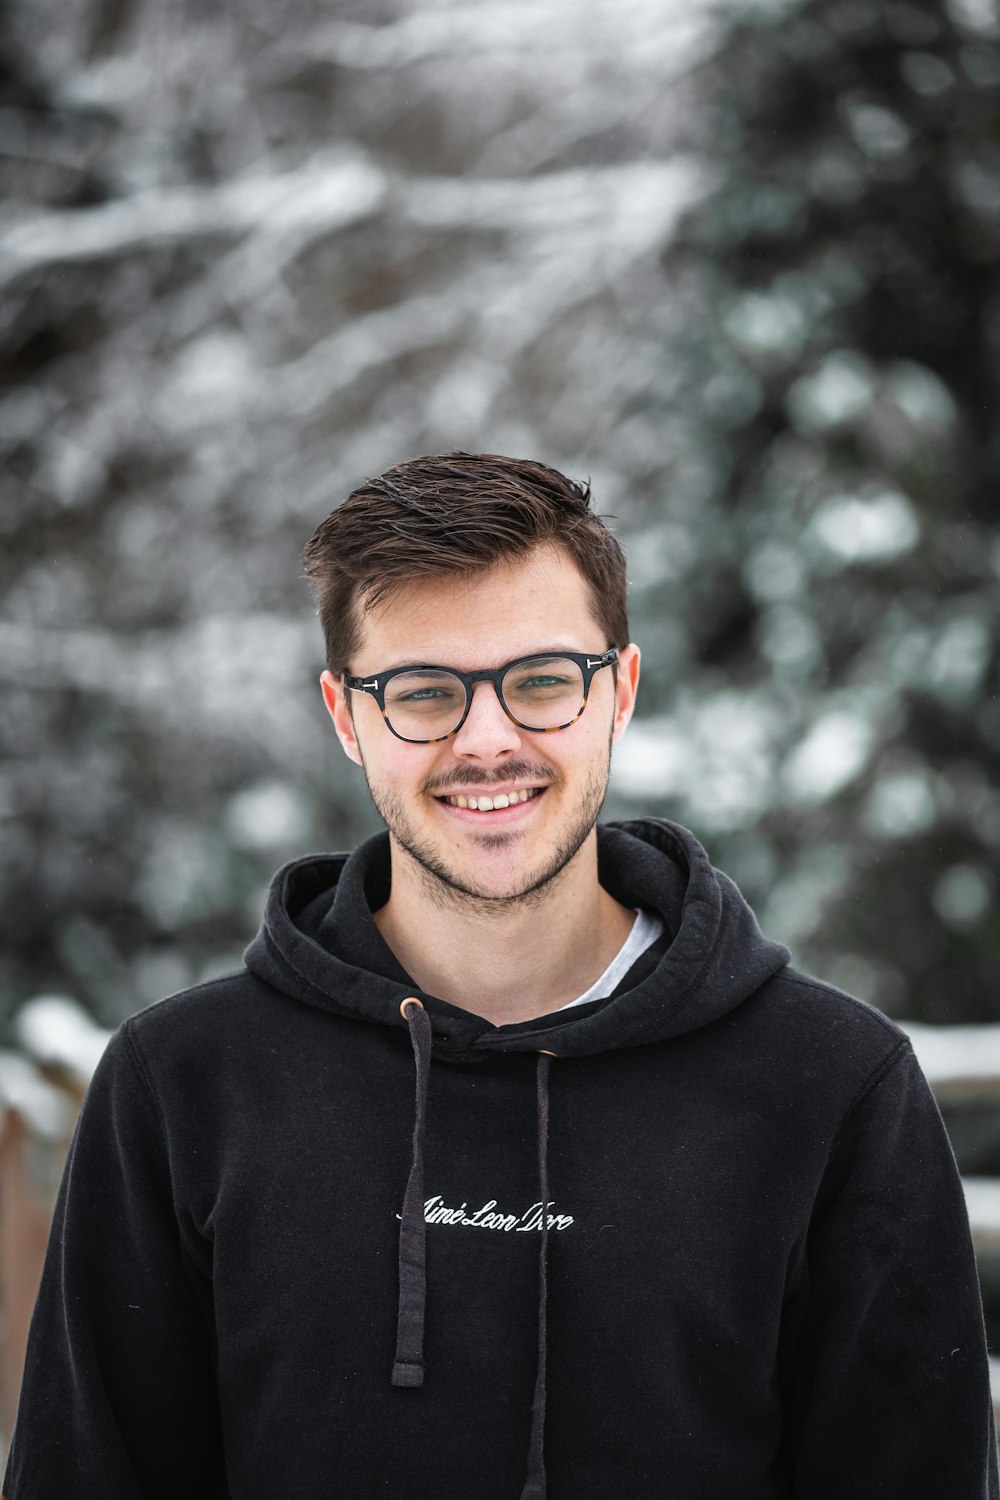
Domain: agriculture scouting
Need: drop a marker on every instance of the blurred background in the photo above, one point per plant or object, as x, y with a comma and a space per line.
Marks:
740, 267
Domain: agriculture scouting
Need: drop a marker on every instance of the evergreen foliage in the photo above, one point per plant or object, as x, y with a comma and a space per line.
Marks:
841, 288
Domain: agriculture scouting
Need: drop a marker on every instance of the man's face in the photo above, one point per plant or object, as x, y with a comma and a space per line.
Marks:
533, 604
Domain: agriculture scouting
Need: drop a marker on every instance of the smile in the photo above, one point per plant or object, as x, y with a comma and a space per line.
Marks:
490, 804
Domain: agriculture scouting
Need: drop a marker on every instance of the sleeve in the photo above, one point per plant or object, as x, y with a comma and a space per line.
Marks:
889, 1386
118, 1400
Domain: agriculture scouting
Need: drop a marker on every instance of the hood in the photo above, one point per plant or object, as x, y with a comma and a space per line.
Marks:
319, 943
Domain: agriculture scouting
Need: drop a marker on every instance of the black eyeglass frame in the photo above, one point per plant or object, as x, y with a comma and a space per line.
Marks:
589, 666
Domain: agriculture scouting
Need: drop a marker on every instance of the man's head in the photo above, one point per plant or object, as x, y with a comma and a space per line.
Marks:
469, 563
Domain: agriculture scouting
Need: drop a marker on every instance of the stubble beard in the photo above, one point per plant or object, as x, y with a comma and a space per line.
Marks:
446, 888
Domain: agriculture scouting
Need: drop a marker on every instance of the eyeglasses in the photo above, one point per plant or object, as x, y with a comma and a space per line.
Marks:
542, 693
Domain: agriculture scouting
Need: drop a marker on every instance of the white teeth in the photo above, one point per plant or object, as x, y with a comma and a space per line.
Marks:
488, 804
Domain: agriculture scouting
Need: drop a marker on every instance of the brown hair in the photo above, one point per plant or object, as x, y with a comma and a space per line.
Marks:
456, 513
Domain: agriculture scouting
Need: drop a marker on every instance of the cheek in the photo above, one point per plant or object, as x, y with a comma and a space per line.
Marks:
584, 749
596, 727
392, 764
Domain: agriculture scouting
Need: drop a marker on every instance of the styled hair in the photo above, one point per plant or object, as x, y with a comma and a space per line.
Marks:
455, 514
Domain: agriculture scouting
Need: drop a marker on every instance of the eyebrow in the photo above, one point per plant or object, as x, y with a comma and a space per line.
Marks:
422, 661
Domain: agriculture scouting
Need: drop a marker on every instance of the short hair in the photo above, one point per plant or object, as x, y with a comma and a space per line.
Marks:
455, 514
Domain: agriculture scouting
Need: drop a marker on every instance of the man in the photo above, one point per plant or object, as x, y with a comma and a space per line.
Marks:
516, 1162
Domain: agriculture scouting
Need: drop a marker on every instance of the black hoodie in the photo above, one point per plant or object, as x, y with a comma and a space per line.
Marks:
754, 1278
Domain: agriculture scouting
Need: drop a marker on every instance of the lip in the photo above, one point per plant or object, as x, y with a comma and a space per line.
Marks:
500, 815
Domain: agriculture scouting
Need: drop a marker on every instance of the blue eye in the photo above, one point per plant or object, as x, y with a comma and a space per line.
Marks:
426, 693
540, 682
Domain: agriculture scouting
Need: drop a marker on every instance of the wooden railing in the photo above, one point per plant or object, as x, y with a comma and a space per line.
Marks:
41, 1089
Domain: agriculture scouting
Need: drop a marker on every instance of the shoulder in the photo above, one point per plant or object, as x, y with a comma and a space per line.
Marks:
215, 1003
820, 1043
814, 1001
200, 1030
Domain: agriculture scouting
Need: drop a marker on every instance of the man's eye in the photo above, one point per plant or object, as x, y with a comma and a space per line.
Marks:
530, 684
424, 695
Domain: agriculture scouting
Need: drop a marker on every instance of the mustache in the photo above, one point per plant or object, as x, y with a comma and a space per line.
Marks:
514, 770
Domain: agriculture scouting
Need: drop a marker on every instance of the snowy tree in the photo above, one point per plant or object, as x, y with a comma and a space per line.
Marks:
835, 493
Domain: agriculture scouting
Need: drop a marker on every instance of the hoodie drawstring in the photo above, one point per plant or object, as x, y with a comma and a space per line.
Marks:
534, 1485
408, 1366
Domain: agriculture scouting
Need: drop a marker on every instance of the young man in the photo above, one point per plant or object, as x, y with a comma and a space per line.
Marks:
516, 1162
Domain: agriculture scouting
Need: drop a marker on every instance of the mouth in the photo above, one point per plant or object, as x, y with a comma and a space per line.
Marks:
499, 799
492, 806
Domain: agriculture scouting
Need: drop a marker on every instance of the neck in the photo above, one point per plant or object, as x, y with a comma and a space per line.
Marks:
507, 961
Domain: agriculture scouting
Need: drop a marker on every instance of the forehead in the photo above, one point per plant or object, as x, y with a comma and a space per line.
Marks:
531, 603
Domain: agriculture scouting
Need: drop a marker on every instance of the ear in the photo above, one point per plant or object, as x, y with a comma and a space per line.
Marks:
335, 696
626, 689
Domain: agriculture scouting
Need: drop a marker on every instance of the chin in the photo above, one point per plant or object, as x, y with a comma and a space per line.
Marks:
494, 877
501, 869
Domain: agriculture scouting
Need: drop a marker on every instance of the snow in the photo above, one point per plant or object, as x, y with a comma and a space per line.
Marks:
47, 1110
982, 1199
959, 658
873, 529
226, 670
267, 815
834, 751
837, 392
530, 33
901, 803
323, 195
57, 1032
977, 17
962, 896
627, 207
767, 323
924, 399
716, 755
958, 1061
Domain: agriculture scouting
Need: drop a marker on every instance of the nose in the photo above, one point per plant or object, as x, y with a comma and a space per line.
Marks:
487, 731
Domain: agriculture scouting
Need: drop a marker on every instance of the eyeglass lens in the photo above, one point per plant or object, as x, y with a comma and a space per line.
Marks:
543, 694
